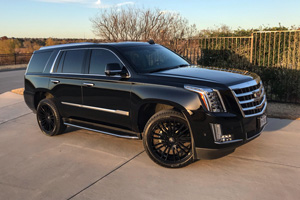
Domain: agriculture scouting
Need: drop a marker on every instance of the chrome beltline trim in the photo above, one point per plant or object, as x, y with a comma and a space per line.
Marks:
121, 112
107, 133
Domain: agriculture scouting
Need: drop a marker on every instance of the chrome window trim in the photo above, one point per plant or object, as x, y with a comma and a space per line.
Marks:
92, 48
120, 112
105, 132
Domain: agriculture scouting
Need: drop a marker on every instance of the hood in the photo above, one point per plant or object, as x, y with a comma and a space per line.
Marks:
226, 77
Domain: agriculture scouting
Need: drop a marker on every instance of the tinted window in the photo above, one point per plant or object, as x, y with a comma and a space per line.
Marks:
61, 62
152, 58
38, 61
73, 60
99, 59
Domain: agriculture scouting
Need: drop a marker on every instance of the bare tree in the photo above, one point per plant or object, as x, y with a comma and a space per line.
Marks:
133, 23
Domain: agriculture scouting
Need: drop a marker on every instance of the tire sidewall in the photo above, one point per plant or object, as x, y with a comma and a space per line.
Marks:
57, 119
163, 115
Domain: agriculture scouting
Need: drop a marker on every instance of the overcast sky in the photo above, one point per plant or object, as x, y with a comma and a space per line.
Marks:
70, 18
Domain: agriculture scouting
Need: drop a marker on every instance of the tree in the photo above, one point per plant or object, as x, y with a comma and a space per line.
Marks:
50, 42
133, 23
9, 46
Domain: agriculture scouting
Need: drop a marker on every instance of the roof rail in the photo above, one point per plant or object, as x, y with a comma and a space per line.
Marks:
66, 45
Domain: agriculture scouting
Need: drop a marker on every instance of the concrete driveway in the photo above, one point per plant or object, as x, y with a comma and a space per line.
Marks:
11, 80
85, 165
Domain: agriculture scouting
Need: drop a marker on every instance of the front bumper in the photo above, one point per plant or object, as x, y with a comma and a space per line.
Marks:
242, 130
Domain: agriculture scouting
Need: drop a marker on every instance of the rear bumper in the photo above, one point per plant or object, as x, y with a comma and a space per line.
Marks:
29, 100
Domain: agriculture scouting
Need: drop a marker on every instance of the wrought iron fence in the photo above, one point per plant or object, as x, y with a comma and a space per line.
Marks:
13, 59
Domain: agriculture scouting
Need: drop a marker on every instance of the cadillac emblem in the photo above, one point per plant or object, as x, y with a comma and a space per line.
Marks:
256, 94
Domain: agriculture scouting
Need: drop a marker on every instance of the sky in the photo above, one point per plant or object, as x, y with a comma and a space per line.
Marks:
71, 18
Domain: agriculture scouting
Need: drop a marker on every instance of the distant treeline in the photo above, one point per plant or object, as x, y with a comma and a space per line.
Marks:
28, 45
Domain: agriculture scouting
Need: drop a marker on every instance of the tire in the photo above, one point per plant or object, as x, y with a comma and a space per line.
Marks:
167, 139
49, 119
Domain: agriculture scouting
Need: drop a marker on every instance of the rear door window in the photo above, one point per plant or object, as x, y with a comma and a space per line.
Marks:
99, 59
70, 61
73, 61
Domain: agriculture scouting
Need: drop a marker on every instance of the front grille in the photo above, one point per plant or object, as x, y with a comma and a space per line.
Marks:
251, 98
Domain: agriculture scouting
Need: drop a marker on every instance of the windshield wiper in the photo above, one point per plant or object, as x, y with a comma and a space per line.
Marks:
167, 68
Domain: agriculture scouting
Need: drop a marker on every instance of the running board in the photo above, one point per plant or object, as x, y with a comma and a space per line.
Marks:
105, 132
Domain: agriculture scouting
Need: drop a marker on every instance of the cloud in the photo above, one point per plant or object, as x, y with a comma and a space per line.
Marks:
90, 3
125, 3
66, 1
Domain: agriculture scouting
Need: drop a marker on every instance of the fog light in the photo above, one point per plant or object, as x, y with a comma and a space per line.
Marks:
217, 131
218, 135
225, 138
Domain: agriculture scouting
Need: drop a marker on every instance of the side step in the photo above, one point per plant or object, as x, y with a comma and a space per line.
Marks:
105, 132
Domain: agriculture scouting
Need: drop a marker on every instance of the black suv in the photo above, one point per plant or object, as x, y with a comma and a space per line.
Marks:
145, 91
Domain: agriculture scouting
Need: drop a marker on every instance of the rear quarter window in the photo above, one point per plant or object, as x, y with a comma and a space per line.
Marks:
39, 61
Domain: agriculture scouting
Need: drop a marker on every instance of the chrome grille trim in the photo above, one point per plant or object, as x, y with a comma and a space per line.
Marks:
245, 95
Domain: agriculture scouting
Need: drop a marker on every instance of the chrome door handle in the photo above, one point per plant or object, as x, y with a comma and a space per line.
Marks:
55, 81
88, 84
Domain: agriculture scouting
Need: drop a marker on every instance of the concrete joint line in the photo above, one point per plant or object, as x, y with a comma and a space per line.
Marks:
12, 104
93, 183
14, 118
249, 159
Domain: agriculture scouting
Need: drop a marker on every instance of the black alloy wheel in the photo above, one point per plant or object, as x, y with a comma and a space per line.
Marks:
49, 119
167, 139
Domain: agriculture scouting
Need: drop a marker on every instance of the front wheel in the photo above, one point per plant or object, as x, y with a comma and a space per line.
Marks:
167, 139
49, 119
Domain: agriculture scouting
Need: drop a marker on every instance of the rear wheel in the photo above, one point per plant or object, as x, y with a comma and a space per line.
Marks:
49, 119
167, 139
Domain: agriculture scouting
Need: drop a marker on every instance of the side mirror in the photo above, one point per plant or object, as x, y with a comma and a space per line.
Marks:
113, 69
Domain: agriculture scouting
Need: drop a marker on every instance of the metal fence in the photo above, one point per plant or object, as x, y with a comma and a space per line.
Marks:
277, 49
13, 59
274, 55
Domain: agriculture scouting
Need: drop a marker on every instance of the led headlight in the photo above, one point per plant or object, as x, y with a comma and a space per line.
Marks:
211, 98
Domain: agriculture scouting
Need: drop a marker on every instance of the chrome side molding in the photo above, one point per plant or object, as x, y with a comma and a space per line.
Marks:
120, 112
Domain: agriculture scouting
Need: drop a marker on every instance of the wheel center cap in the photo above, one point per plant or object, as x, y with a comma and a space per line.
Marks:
171, 139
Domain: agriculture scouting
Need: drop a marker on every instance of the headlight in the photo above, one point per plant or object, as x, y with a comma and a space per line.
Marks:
211, 98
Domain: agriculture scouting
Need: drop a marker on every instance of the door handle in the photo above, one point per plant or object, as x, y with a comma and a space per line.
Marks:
88, 84
55, 81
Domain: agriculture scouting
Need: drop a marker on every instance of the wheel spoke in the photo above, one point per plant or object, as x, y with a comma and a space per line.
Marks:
169, 148
184, 147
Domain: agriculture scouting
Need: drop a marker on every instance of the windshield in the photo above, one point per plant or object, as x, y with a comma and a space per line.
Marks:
152, 58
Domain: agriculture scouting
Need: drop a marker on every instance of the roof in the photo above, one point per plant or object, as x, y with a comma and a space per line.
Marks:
90, 44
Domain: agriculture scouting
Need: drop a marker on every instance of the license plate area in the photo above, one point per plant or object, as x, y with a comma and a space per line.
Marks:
262, 121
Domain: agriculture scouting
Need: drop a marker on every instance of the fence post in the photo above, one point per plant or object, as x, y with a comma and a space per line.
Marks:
251, 48
15, 57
